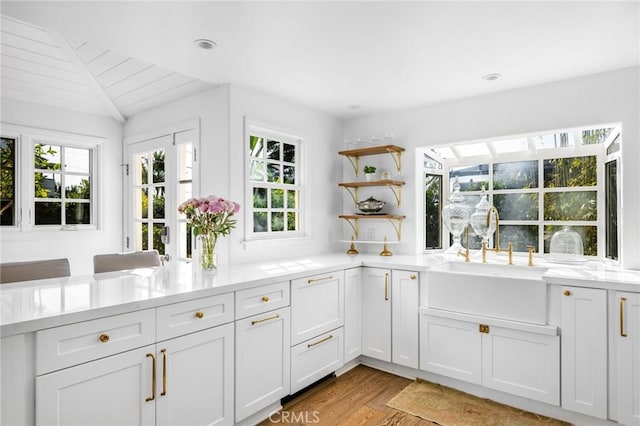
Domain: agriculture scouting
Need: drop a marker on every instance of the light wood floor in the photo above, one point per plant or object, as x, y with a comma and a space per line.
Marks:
358, 397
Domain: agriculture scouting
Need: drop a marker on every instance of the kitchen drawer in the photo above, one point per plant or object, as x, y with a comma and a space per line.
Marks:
317, 305
194, 315
257, 300
316, 358
77, 343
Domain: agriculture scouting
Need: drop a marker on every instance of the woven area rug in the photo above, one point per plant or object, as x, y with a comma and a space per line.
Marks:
450, 407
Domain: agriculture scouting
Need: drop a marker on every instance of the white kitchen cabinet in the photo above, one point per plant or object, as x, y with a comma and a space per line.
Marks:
316, 358
116, 390
627, 342
405, 318
376, 313
514, 361
583, 321
262, 361
352, 313
317, 305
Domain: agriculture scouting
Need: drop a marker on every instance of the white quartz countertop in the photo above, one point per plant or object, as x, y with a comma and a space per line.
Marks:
34, 305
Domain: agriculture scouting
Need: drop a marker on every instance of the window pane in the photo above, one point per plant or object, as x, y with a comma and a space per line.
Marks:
277, 198
611, 207
145, 236
433, 195
557, 140
471, 178
615, 146
260, 222
431, 163
260, 198
77, 213
589, 235
77, 187
581, 205
157, 237
570, 172
7, 182
289, 175
292, 221
158, 166
277, 221
273, 150
142, 168
46, 156
185, 191
289, 154
47, 185
48, 213
76, 160
143, 202
515, 175
595, 136
520, 236
185, 162
256, 145
516, 206
292, 199
257, 171
273, 172
158, 203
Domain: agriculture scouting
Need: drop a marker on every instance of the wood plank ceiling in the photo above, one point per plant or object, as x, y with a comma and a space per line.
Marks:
43, 67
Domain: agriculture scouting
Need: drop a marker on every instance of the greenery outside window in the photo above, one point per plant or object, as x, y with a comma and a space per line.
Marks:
274, 185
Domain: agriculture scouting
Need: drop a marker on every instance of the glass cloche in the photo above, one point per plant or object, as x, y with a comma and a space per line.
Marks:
566, 246
479, 219
455, 216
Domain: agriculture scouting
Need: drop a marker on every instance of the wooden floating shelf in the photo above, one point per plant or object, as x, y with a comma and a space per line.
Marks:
371, 183
372, 150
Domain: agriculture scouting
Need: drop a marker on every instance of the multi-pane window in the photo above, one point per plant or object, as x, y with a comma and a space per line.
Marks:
150, 188
7, 182
61, 185
274, 186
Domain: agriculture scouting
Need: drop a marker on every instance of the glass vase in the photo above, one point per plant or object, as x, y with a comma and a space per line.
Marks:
208, 254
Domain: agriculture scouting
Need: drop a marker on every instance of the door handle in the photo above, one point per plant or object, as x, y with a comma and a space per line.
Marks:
165, 235
386, 286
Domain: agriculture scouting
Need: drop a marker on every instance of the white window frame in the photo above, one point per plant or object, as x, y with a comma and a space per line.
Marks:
26, 138
254, 128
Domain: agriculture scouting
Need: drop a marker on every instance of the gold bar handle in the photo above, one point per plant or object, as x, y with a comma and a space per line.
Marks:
330, 277
164, 372
386, 286
153, 377
329, 337
254, 322
622, 332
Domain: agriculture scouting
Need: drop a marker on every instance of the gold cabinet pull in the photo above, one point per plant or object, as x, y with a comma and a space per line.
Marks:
153, 377
199, 314
254, 322
386, 286
412, 276
330, 277
164, 372
567, 293
265, 298
104, 338
329, 337
483, 328
622, 331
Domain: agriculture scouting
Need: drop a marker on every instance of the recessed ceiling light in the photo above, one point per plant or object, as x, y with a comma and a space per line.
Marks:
354, 107
203, 43
491, 77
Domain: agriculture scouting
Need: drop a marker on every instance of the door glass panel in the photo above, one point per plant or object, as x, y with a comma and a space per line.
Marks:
8, 181
158, 202
433, 208
144, 232
157, 234
158, 166
142, 169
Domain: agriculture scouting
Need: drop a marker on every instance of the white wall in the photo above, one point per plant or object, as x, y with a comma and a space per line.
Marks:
322, 135
78, 246
600, 98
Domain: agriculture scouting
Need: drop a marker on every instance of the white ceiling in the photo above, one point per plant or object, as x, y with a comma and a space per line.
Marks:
376, 55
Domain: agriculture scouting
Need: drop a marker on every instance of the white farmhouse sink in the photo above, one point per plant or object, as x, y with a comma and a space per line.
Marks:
510, 292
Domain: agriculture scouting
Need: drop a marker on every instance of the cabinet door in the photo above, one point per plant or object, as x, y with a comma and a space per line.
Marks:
522, 363
317, 305
405, 318
195, 378
627, 340
584, 350
314, 359
116, 390
352, 313
451, 348
263, 353
376, 313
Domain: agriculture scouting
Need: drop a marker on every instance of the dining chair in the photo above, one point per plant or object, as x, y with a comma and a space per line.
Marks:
122, 261
12, 272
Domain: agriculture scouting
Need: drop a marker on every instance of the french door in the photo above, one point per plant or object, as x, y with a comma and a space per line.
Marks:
160, 177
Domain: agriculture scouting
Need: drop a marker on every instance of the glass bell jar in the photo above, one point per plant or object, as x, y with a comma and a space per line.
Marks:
455, 216
566, 247
481, 226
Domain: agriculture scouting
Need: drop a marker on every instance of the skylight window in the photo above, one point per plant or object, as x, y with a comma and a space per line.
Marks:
444, 152
510, 145
473, 149
555, 140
